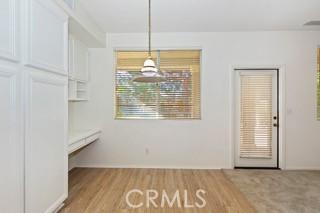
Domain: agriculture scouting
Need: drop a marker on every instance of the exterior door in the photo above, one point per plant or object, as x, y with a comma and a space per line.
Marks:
256, 118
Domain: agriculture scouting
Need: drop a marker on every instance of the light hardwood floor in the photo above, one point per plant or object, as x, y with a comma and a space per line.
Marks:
104, 190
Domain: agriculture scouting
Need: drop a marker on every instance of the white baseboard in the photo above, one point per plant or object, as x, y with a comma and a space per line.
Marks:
302, 168
147, 167
113, 166
58, 204
72, 163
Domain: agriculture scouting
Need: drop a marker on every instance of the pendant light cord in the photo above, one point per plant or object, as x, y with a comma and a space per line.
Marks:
149, 29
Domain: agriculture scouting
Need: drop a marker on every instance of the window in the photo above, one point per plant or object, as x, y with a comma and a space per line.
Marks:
177, 98
318, 84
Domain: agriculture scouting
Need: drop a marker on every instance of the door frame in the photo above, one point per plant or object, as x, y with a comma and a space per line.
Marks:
281, 109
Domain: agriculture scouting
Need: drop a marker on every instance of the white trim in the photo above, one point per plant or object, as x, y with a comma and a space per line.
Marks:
58, 204
231, 132
282, 117
282, 112
147, 167
155, 48
173, 167
302, 168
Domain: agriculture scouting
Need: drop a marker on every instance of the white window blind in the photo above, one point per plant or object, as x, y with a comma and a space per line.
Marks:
255, 116
177, 98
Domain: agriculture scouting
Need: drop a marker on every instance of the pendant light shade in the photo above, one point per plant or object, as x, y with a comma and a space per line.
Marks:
149, 67
149, 71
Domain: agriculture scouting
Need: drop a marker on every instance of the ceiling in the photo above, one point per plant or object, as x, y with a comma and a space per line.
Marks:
119, 16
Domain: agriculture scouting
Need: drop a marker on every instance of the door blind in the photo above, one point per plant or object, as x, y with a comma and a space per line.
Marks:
176, 98
256, 116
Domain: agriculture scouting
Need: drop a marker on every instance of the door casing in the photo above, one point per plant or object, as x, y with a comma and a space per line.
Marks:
272, 162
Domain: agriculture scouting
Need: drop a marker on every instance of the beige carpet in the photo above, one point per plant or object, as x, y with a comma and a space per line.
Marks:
279, 191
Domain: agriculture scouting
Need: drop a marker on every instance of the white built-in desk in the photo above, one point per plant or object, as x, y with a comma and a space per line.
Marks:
79, 139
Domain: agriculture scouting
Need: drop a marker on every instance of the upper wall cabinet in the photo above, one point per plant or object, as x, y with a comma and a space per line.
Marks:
79, 59
9, 16
47, 36
82, 25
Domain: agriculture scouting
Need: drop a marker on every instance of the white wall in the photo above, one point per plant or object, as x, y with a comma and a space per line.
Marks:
205, 143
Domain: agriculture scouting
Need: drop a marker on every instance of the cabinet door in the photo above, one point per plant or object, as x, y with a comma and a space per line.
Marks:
9, 15
47, 36
81, 58
11, 152
46, 142
71, 57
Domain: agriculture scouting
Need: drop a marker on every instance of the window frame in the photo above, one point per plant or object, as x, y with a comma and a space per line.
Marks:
116, 50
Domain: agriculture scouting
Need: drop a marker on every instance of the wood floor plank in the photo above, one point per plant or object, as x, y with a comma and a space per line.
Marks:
105, 190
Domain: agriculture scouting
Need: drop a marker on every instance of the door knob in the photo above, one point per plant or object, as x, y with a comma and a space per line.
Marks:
275, 125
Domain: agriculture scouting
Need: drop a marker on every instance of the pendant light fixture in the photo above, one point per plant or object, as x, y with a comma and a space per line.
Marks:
149, 71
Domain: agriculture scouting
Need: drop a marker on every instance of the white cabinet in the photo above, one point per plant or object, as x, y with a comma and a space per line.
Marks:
82, 25
78, 90
81, 56
79, 59
34, 106
46, 107
46, 139
47, 36
34, 102
9, 15
11, 152
78, 70
71, 57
